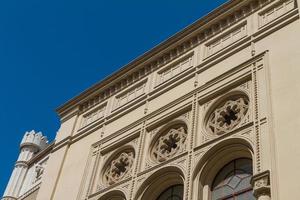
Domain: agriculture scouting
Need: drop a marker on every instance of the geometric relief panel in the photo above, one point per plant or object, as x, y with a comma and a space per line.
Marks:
119, 167
226, 113
115, 167
174, 70
167, 141
226, 40
277, 10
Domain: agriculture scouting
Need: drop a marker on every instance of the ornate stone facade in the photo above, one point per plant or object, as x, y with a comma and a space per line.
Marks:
228, 115
170, 143
119, 167
210, 114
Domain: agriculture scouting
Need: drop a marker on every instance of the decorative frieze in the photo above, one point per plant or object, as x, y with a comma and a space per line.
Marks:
226, 39
235, 16
116, 87
93, 116
203, 33
174, 70
130, 95
277, 10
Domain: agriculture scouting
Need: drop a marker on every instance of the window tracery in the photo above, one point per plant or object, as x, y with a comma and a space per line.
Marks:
228, 114
174, 192
233, 181
170, 143
119, 168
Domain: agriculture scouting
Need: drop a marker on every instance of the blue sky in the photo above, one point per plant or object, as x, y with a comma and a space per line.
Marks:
50, 51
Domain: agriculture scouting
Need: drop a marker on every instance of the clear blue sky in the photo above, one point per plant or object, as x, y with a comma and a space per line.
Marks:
52, 50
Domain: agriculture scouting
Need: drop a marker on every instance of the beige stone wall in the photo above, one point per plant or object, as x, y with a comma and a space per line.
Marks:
258, 55
284, 86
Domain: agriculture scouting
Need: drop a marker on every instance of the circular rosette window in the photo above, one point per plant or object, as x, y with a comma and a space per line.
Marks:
119, 167
169, 143
227, 114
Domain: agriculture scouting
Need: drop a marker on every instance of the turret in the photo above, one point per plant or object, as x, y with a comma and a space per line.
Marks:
31, 144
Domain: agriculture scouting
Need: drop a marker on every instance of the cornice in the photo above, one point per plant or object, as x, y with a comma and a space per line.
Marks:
176, 45
30, 191
41, 154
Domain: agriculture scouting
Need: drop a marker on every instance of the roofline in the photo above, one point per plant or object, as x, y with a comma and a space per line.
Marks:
163, 45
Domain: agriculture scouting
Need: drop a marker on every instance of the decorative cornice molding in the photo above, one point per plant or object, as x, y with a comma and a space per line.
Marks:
198, 32
62, 143
8, 198
21, 163
30, 191
41, 154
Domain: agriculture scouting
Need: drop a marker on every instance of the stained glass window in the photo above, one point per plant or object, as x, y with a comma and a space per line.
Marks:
233, 181
174, 192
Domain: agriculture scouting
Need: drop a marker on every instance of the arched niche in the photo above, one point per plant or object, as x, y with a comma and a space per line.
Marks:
214, 160
159, 182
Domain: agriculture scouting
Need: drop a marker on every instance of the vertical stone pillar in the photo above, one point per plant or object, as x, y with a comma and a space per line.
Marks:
261, 186
31, 144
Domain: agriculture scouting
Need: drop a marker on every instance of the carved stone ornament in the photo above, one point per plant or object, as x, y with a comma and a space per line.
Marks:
261, 184
119, 168
170, 143
39, 170
228, 114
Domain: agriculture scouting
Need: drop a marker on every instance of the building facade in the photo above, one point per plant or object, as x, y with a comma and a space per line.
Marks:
211, 113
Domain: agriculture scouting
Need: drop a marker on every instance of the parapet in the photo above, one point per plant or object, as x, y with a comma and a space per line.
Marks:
34, 139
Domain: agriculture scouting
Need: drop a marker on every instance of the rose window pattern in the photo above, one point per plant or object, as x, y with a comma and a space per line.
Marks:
119, 168
228, 115
171, 143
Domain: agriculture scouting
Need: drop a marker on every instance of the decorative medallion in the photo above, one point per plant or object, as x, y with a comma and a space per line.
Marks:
228, 114
119, 168
170, 143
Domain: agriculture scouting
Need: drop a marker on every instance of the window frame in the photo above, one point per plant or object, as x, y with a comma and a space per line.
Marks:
234, 195
168, 188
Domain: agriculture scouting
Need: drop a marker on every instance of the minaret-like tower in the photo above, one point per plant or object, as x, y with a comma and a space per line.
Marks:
31, 144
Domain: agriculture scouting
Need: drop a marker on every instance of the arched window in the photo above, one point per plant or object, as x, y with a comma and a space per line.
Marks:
233, 181
113, 195
165, 184
174, 192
